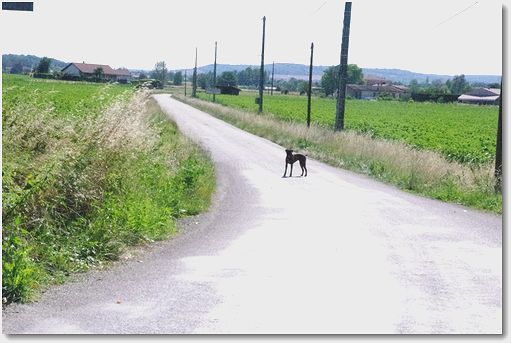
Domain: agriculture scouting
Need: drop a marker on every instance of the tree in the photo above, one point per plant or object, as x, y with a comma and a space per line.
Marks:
17, 68
227, 78
178, 78
330, 78
459, 85
44, 65
302, 87
142, 76
493, 85
414, 86
170, 75
205, 80
98, 73
160, 73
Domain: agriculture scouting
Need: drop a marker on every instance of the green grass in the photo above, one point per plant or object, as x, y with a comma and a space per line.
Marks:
463, 133
88, 170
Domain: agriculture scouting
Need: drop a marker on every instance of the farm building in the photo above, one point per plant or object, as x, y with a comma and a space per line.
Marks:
375, 81
373, 92
86, 70
481, 96
230, 90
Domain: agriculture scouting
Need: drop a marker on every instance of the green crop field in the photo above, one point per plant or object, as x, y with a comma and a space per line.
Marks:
65, 98
463, 133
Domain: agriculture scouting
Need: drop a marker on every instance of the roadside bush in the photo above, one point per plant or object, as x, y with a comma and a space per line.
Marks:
19, 274
78, 188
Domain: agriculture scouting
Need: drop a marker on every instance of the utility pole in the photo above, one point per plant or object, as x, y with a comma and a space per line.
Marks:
498, 153
272, 74
194, 86
261, 77
214, 75
310, 89
185, 82
343, 69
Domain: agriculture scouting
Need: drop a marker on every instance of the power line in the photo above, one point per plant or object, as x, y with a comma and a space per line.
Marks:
446, 20
320, 7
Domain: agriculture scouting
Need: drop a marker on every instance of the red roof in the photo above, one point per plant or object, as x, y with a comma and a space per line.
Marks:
88, 68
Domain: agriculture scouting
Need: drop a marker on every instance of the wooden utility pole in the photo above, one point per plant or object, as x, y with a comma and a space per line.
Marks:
309, 94
214, 75
343, 70
272, 74
261, 76
185, 82
498, 152
194, 86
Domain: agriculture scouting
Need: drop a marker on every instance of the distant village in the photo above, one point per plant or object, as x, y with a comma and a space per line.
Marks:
370, 88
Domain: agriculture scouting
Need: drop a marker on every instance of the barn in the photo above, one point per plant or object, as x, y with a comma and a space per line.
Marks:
481, 96
230, 90
373, 92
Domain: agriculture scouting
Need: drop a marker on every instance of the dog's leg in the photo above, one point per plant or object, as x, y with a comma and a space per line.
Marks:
291, 172
305, 167
285, 170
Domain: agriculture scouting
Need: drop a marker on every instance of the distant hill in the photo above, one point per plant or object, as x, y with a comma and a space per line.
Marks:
405, 76
300, 71
283, 71
28, 62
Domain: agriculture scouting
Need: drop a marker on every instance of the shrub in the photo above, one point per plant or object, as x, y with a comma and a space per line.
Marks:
84, 177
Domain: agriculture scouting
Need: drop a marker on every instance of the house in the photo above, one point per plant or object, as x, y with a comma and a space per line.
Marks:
481, 96
230, 90
375, 81
375, 91
123, 75
87, 70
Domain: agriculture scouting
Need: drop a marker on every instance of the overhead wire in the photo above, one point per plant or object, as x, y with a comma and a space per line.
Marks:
456, 14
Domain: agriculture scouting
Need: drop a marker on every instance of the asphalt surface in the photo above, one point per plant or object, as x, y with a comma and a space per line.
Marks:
331, 253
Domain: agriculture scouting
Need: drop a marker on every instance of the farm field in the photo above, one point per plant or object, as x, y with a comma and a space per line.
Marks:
462, 133
65, 98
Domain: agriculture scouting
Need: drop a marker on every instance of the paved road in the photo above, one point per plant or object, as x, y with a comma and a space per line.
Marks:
331, 253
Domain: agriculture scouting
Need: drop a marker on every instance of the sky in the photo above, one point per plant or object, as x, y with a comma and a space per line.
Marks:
434, 36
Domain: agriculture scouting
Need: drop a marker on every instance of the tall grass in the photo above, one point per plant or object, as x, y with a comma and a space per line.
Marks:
419, 171
79, 188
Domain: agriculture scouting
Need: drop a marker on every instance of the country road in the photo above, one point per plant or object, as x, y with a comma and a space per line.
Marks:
334, 252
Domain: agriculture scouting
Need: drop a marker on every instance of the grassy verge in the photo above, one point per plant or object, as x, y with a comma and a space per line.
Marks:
422, 172
80, 186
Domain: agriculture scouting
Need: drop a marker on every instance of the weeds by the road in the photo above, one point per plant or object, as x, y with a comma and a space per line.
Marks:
419, 171
78, 189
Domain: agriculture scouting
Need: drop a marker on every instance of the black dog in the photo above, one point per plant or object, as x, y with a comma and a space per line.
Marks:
292, 158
